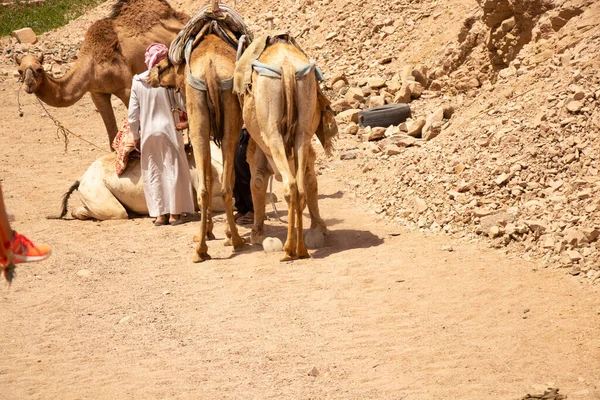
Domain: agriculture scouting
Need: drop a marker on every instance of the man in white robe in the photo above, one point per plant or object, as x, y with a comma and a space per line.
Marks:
165, 170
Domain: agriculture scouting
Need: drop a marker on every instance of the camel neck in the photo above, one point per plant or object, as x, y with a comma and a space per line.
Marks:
67, 90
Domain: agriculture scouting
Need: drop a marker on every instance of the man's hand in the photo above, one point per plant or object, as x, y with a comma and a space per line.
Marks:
182, 125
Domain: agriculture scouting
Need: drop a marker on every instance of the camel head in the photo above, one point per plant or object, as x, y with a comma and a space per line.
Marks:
167, 75
31, 71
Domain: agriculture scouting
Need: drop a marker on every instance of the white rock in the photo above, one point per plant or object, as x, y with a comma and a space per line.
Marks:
272, 245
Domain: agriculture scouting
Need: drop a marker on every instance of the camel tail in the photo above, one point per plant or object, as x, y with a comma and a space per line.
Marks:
215, 105
289, 109
65, 201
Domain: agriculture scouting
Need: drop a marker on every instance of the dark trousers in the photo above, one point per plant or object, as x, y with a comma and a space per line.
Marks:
241, 187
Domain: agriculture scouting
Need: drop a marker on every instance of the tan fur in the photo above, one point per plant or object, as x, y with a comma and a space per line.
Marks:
212, 60
213, 100
111, 53
282, 117
289, 111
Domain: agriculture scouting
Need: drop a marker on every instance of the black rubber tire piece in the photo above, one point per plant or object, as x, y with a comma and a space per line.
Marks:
390, 114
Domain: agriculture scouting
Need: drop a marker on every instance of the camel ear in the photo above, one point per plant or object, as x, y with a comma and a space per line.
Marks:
40, 58
18, 59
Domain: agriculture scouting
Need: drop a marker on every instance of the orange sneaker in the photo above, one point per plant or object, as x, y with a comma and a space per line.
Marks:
24, 250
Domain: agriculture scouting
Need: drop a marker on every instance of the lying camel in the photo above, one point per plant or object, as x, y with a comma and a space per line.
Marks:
282, 115
111, 53
213, 111
107, 196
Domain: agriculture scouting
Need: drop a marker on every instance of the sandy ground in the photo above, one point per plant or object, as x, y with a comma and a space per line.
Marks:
120, 311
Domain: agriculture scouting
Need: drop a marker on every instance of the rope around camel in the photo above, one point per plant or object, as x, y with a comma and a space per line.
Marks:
61, 130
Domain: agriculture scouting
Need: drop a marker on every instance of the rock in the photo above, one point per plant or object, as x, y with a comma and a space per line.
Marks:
314, 372
375, 83
348, 156
340, 105
415, 127
351, 129
420, 75
500, 218
391, 131
347, 116
338, 85
416, 89
507, 72
125, 319
25, 35
448, 111
502, 179
394, 84
389, 30
392, 150
84, 273
314, 239
338, 76
433, 124
508, 24
431, 131
403, 140
354, 94
375, 133
572, 256
591, 234
448, 248
403, 95
482, 212
420, 205
575, 237
376, 101
435, 85
272, 245
537, 226
574, 106
494, 231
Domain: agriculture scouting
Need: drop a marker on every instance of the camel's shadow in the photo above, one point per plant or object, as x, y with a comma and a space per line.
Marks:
336, 240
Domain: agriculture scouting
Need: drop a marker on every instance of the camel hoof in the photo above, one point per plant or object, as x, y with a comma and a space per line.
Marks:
257, 239
287, 257
239, 246
227, 242
198, 258
210, 236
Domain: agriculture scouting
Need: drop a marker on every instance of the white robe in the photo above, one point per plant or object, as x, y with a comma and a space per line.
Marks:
165, 170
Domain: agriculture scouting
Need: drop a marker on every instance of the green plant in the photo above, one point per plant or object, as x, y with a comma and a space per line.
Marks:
42, 18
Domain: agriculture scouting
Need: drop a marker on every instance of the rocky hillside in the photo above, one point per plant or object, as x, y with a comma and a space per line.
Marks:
503, 143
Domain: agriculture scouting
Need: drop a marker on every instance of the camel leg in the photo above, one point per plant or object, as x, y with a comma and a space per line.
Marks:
104, 106
290, 191
312, 195
301, 154
199, 128
259, 171
124, 95
233, 127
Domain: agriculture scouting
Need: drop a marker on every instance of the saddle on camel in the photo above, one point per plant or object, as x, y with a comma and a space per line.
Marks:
283, 109
201, 63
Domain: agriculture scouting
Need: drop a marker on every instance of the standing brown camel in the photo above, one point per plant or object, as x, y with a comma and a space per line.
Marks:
111, 53
214, 111
282, 115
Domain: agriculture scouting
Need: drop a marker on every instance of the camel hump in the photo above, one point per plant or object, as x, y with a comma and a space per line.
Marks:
102, 41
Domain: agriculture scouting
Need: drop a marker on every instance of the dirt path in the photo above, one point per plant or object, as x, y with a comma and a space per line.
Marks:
120, 311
